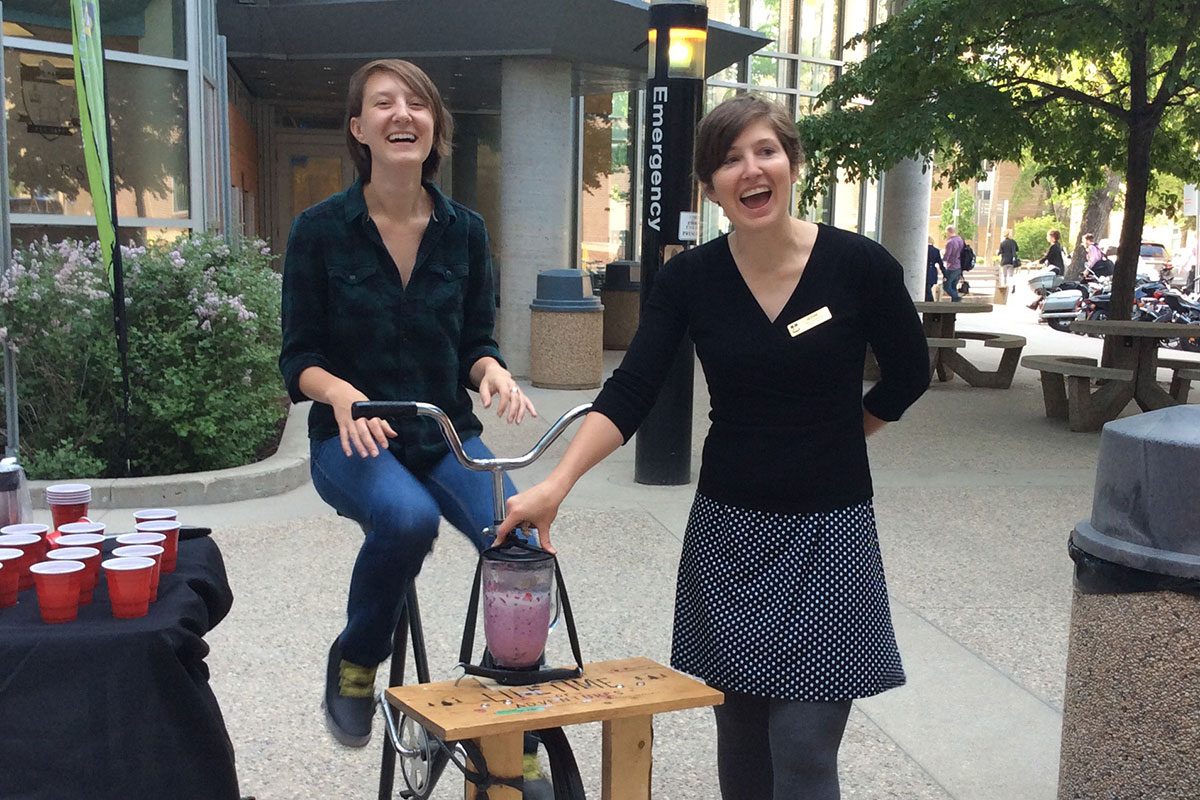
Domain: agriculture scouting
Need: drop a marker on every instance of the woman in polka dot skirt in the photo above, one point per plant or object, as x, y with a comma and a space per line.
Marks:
781, 601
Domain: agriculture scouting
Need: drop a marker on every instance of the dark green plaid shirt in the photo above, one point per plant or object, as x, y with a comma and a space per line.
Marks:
345, 310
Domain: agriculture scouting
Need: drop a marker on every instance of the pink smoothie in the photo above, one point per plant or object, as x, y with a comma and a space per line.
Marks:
516, 624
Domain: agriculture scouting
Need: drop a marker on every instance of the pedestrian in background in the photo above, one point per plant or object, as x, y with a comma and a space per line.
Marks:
952, 263
1008, 257
1054, 253
933, 263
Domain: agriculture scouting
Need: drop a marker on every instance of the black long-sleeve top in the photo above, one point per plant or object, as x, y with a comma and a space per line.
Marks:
1054, 257
346, 311
787, 425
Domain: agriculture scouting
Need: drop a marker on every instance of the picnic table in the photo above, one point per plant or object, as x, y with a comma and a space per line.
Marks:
1136, 349
939, 320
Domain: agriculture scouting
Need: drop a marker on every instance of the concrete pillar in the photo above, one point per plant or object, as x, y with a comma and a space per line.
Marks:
904, 227
536, 182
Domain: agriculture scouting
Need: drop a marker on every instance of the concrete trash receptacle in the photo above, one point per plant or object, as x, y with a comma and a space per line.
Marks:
622, 297
1131, 715
566, 332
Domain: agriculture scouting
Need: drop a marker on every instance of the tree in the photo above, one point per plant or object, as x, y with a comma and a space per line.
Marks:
1083, 86
965, 220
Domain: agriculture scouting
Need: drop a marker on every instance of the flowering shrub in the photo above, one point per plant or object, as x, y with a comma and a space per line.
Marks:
204, 336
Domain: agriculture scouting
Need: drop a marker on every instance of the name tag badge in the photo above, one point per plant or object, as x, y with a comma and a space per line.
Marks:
809, 321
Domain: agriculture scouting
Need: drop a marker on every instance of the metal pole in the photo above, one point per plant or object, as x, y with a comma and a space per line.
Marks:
670, 222
225, 174
12, 421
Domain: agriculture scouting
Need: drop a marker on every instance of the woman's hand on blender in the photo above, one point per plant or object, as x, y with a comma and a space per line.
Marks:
536, 507
367, 437
498, 384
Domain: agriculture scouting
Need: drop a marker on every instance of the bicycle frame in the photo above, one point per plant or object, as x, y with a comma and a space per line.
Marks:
410, 618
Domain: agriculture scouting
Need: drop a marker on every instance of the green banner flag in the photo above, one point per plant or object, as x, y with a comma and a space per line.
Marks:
93, 121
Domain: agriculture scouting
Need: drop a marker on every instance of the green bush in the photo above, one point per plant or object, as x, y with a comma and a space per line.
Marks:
204, 336
1030, 235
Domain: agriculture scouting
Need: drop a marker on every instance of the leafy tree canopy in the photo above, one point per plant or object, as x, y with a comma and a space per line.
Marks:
975, 82
1083, 86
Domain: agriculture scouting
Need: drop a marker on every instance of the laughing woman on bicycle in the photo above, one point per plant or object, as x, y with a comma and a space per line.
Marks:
387, 294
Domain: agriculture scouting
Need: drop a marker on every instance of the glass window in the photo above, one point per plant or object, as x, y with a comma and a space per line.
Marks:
715, 95
149, 27
846, 202
727, 11
871, 210
774, 18
815, 77
24, 234
881, 11
819, 28
606, 192
730, 74
769, 71
857, 20
148, 109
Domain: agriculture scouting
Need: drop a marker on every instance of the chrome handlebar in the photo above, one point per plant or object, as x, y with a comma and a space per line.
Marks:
496, 466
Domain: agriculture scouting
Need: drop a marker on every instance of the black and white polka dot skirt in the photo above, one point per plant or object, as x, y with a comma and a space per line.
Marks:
788, 606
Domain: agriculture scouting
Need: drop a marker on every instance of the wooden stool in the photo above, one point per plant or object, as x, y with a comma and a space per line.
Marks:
623, 695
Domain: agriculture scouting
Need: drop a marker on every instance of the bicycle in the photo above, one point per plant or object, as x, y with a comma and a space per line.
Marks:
423, 757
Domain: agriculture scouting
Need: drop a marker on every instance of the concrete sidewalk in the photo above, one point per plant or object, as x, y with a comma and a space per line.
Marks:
976, 493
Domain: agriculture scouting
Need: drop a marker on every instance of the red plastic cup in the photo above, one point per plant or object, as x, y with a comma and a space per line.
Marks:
155, 515
31, 545
90, 558
129, 585
169, 529
151, 551
68, 502
10, 575
34, 528
58, 584
85, 526
62, 514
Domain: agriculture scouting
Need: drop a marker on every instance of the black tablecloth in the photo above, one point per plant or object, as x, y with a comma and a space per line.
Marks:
105, 708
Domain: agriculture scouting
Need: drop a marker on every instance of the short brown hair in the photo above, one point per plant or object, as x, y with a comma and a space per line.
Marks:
723, 124
1054, 232
416, 79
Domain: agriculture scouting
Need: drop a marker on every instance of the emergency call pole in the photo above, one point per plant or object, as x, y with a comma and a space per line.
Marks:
670, 222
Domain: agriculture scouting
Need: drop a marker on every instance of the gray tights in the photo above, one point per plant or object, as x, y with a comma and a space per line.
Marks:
778, 749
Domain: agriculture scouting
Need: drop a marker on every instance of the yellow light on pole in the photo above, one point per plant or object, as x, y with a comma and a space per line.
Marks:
686, 52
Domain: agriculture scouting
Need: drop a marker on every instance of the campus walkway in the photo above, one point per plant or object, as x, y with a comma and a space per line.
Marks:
976, 493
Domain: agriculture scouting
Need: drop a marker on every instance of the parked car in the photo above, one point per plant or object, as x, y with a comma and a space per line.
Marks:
1154, 258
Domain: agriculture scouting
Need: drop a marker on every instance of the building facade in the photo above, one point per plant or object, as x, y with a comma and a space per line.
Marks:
227, 115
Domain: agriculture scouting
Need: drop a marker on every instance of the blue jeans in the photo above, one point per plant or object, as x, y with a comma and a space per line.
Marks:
399, 512
950, 284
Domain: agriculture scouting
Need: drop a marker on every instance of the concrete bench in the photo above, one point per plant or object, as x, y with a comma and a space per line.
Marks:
1182, 375
936, 345
1000, 378
1006, 341
1083, 409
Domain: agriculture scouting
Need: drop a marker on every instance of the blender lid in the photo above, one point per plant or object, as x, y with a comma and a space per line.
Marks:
514, 550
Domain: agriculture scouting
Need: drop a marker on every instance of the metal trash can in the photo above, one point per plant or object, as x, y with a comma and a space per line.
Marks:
1131, 716
621, 296
567, 331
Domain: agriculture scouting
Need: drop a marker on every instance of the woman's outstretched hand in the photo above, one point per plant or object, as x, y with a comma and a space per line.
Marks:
536, 507
498, 384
